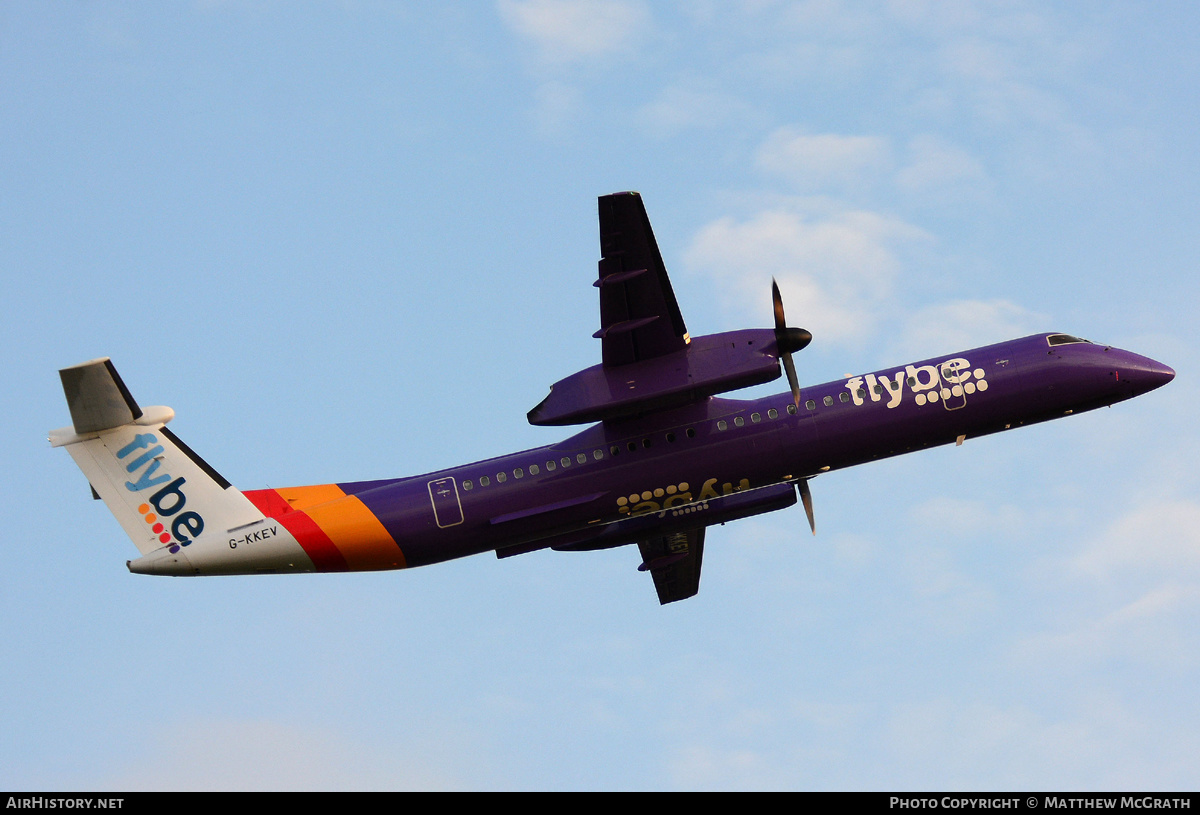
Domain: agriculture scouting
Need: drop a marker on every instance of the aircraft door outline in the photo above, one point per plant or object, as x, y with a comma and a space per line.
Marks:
447, 506
954, 395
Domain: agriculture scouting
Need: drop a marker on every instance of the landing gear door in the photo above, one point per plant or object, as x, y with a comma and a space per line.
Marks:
447, 508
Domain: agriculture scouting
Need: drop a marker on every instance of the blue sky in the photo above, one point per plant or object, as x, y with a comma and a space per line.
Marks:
356, 240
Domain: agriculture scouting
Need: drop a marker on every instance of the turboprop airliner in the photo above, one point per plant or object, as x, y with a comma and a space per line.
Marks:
664, 455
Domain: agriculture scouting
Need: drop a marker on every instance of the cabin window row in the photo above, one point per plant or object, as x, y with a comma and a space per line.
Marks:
809, 404
580, 458
755, 418
614, 450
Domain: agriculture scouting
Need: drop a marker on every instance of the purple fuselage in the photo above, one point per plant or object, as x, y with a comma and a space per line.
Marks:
719, 459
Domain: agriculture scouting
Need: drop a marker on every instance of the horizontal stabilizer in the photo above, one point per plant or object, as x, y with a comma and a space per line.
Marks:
97, 398
674, 562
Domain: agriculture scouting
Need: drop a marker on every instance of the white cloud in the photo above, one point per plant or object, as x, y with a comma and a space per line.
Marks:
558, 104
678, 108
815, 163
1155, 629
940, 169
835, 266
1143, 576
959, 324
933, 168
954, 743
948, 598
265, 755
565, 31
1162, 539
976, 518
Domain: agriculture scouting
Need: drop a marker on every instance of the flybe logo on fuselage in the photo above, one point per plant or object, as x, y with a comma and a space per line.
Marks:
677, 495
950, 380
165, 506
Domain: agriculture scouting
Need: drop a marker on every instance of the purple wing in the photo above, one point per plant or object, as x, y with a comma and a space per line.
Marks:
639, 317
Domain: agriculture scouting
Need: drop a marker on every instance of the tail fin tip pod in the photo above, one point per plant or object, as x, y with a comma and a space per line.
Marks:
161, 492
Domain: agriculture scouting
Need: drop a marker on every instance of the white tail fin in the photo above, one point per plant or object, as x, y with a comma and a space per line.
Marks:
162, 493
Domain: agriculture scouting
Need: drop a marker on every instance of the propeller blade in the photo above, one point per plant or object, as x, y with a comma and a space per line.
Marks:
793, 382
806, 498
787, 340
777, 302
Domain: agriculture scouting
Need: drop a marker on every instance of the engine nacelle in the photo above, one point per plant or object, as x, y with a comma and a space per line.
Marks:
708, 365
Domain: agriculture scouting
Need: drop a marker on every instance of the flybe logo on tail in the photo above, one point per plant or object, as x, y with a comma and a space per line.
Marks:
164, 508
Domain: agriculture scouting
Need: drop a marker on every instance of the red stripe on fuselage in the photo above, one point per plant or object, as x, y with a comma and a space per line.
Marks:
316, 544
268, 502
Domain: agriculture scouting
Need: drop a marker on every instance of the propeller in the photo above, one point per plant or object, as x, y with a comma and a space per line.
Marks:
788, 340
806, 497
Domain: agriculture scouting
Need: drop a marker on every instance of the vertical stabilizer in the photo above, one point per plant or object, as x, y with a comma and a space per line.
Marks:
162, 493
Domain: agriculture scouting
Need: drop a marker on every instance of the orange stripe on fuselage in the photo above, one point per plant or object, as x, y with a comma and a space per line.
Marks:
305, 497
358, 534
336, 530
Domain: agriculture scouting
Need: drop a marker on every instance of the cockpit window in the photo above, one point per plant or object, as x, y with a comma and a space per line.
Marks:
1064, 339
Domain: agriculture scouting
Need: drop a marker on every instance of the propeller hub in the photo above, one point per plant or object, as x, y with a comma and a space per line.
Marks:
791, 340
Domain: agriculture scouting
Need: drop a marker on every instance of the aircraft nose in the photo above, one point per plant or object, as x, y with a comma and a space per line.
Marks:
1159, 375
1144, 374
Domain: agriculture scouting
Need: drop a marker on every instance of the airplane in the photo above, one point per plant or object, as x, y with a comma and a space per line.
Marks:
664, 457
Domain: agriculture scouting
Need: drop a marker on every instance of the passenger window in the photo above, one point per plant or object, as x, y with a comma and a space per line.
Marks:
581, 458
721, 425
501, 478
484, 481
754, 417
518, 473
828, 400
739, 421
533, 469
845, 397
597, 454
772, 414
808, 405
550, 465
467, 485
565, 461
